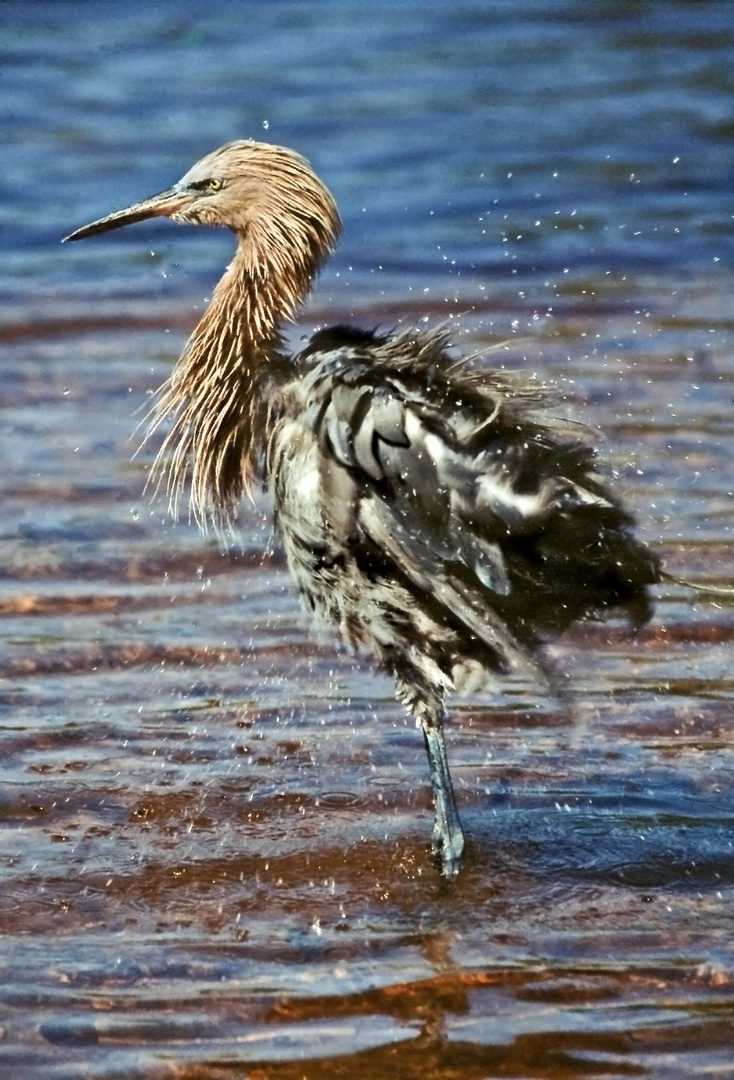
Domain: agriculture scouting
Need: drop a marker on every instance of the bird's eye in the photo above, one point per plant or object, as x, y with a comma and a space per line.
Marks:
213, 183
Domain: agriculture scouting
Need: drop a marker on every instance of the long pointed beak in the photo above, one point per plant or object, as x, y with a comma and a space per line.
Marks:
163, 205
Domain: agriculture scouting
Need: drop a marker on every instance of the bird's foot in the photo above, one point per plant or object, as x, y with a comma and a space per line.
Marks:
448, 845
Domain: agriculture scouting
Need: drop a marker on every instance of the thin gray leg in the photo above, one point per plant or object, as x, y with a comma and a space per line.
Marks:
448, 836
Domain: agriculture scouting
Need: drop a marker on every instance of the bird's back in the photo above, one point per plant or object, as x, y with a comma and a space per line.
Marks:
426, 512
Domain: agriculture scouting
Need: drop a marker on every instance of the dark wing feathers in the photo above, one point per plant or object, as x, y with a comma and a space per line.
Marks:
417, 561
503, 522
388, 412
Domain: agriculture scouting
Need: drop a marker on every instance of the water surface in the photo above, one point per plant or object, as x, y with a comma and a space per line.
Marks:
215, 825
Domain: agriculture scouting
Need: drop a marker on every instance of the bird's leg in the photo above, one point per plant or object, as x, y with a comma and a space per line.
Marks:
426, 704
448, 836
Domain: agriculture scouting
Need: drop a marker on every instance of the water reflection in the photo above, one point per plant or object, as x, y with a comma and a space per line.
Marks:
214, 824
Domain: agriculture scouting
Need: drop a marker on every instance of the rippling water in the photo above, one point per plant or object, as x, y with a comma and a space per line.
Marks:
214, 825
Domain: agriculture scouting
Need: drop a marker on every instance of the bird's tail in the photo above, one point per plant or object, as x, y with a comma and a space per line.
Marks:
697, 586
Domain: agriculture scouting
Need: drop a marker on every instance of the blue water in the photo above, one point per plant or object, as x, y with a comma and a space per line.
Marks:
471, 139
214, 831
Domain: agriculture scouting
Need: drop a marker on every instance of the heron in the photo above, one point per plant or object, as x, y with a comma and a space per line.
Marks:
428, 507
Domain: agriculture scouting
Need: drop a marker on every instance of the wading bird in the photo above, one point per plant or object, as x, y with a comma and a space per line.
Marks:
423, 506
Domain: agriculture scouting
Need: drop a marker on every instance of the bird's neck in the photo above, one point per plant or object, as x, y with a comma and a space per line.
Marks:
221, 392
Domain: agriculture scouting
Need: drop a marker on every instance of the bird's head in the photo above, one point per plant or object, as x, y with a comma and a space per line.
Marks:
268, 195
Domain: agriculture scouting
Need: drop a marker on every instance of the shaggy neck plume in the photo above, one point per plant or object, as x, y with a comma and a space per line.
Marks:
219, 397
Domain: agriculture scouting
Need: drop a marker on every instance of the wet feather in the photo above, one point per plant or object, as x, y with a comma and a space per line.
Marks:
425, 506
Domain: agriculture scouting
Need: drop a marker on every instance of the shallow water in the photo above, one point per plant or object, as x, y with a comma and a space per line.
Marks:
215, 825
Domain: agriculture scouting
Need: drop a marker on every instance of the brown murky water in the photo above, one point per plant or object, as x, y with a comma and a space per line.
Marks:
215, 843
